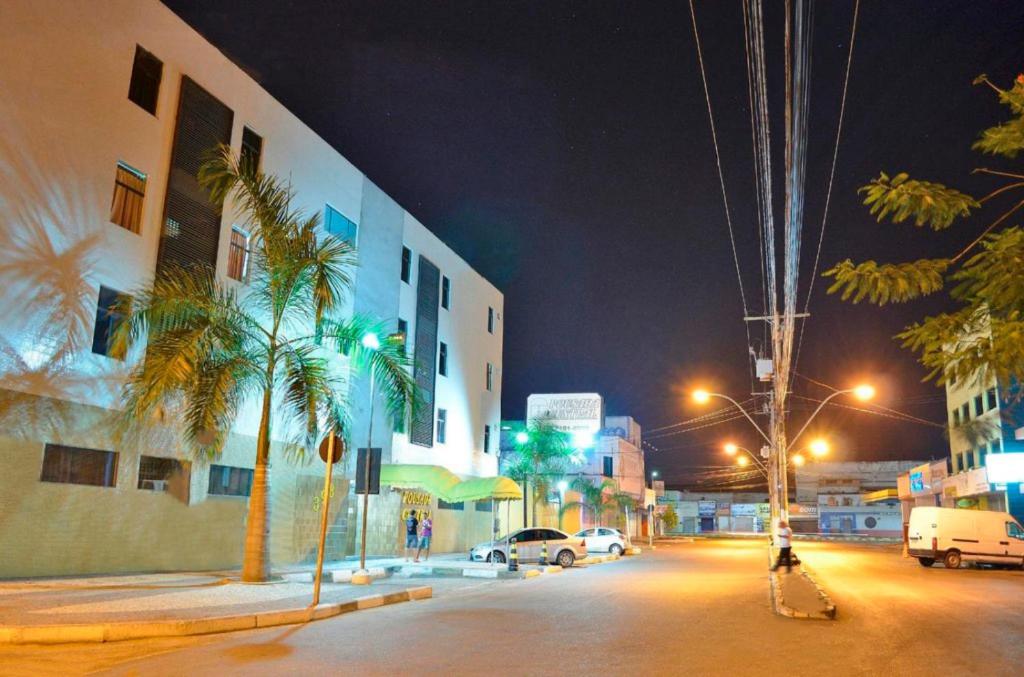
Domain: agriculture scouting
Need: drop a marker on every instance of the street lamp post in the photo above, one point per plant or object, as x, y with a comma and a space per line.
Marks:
650, 511
775, 469
370, 342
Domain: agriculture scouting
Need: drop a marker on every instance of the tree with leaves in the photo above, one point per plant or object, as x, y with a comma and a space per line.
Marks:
669, 519
211, 347
539, 462
597, 499
983, 339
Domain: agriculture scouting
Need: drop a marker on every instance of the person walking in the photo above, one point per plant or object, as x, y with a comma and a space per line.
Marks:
411, 538
426, 531
785, 547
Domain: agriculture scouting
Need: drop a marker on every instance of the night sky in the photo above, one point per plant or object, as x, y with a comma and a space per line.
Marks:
563, 149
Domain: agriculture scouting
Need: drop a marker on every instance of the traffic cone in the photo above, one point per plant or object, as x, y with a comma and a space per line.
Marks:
513, 557
543, 554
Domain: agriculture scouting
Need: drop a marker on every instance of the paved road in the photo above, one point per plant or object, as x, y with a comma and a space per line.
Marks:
693, 608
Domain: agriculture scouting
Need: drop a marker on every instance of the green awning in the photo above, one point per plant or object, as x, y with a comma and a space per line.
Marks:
446, 485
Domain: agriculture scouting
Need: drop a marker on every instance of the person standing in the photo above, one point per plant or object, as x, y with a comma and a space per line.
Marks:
785, 546
411, 538
426, 531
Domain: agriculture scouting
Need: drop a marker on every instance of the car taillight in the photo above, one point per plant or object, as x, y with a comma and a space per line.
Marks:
935, 543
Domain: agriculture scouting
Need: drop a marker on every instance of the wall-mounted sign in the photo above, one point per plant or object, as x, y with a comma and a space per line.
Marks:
706, 508
1005, 468
578, 414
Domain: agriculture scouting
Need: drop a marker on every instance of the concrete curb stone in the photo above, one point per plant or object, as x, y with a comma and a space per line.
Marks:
124, 630
779, 605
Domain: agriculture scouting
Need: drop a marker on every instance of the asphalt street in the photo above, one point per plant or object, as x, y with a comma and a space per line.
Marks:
686, 608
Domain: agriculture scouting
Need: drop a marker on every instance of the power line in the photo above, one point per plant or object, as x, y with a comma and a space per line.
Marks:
711, 414
721, 182
831, 178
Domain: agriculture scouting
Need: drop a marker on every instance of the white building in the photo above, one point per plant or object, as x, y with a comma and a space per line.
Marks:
106, 112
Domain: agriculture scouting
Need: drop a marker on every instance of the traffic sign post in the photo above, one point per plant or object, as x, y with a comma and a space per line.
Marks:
331, 451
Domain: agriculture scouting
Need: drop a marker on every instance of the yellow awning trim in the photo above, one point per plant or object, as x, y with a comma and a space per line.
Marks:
446, 485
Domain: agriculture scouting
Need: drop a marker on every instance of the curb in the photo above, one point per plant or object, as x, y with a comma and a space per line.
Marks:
123, 630
779, 604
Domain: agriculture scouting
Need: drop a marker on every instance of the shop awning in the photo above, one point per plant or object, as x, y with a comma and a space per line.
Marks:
446, 485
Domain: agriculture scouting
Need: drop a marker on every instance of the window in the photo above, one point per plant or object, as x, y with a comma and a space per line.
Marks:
956, 417
252, 150
490, 320
145, 85
490, 376
406, 265
226, 480
442, 359
965, 412
126, 205
238, 255
340, 226
979, 407
106, 319
157, 474
484, 506
446, 293
403, 327
74, 465
487, 438
607, 469
1013, 530
969, 460
605, 532
442, 425
990, 395
959, 462
982, 452
445, 505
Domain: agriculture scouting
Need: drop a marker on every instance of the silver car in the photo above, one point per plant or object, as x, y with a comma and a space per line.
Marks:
563, 549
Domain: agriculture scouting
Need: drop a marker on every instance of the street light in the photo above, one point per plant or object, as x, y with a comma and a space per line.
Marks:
864, 392
731, 448
522, 437
701, 396
798, 460
819, 447
743, 461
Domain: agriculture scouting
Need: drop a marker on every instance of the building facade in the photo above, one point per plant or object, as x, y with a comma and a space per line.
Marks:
108, 111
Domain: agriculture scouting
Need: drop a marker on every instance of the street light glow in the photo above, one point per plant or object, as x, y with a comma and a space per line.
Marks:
798, 460
654, 473
743, 460
819, 447
562, 486
370, 341
522, 437
864, 392
701, 396
731, 448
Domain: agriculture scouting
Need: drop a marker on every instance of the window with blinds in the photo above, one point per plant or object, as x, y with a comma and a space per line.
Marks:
75, 465
129, 191
238, 255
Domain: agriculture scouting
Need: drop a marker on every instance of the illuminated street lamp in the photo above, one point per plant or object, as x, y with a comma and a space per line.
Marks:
798, 460
522, 437
819, 447
743, 461
731, 448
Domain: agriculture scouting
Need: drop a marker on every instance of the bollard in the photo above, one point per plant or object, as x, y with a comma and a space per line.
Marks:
513, 557
543, 554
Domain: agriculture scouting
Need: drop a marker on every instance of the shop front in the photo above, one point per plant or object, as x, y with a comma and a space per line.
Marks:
464, 512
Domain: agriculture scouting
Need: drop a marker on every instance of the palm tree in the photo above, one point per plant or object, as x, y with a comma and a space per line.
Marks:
593, 497
211, 349
624, 502
539, 460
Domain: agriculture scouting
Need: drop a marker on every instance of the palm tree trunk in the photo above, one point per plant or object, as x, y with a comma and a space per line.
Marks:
256, 561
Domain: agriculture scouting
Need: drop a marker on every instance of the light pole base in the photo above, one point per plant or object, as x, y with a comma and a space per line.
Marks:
361, 577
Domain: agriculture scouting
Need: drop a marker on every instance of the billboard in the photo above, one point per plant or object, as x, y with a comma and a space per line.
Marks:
579, 414
706, 508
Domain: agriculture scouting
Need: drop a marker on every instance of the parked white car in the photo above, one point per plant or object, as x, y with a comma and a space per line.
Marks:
953, 536
604, 539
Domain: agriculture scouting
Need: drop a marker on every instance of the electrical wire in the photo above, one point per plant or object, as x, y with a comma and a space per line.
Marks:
831, 178
721, 182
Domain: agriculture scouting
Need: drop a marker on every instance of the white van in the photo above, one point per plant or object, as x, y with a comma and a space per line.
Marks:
954, 536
